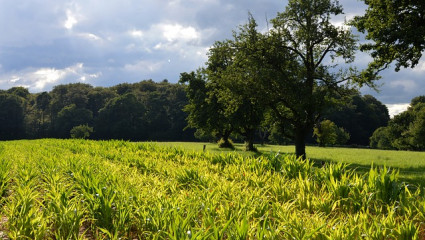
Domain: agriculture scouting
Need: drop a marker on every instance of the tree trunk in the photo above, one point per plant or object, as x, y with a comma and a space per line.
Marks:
249, 140
42, 124
300, 143
263, 135
224, 141
226, 135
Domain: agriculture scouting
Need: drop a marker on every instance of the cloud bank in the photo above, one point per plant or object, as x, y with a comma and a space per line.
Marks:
46, 42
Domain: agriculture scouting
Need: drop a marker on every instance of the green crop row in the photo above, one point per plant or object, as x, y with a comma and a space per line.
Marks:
78, 189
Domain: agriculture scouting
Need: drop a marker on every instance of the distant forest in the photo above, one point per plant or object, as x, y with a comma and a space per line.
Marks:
147, 111
141, 111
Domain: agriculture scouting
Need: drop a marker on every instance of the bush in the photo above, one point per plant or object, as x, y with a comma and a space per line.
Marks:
81, 131
381, 139
328, 133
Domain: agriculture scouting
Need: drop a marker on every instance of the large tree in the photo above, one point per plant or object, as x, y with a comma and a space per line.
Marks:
205, 113
397, 31
302, 53
233, 69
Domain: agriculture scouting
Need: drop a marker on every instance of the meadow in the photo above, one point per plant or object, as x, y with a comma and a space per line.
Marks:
82, 189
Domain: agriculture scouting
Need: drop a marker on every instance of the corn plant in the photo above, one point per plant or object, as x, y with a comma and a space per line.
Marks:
82, 189
63, 207
384, 184
4, 178
25, 220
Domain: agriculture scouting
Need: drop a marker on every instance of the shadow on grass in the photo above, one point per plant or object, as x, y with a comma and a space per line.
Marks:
413, 176
238, 148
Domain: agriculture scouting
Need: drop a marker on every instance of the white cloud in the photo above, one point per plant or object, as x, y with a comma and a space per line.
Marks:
44, 76
176, 32
71, 20
136, 33
394, 109
167, 37
41, 79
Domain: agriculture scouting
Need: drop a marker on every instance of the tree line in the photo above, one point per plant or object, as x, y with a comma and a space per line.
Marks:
141, 111
153, 111
406, 131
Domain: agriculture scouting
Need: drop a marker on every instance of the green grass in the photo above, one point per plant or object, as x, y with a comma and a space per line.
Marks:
410, 164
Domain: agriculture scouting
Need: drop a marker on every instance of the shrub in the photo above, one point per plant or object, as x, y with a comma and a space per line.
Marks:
381, 139
81, 131
328, 133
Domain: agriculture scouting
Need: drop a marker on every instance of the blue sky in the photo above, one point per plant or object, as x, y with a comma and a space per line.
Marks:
49, 42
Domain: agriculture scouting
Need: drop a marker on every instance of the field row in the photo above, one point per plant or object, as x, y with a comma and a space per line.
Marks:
77, 189
410, 163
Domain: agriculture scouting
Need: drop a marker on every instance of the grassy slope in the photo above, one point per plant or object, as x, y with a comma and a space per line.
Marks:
410, 164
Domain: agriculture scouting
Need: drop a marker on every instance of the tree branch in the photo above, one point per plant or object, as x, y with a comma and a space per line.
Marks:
328, 49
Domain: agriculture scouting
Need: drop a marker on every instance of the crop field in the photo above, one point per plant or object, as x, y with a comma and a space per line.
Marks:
410, 164
82, 189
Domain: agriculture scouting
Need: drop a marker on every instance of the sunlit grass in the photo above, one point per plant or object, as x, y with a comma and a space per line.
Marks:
411, 164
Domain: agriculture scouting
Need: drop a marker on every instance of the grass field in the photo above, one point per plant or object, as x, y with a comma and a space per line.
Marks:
411, 164
82, 189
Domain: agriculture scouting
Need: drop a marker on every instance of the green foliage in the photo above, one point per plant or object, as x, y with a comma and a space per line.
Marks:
55, 113
4, 179
417, 100
205, 112
121, 118
233, 68
328, 133
303, 37
384, 184
19, 91
254, 73
69, 117
396, 29
81, 131
406, 131
381, 139
360, 116
66, 213
11, 116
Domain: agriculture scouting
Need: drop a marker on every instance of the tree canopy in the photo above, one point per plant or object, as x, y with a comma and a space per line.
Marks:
406, 131
148, 111
303, 78
292, 73
397, 31
360, 116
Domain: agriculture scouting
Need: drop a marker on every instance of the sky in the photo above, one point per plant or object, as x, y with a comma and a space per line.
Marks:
45, 43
